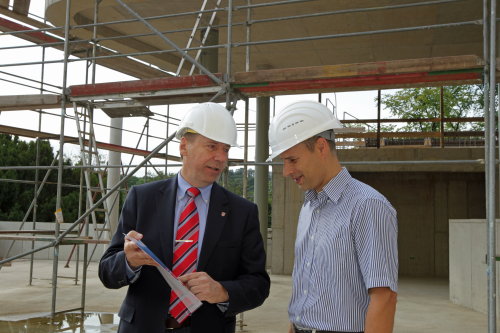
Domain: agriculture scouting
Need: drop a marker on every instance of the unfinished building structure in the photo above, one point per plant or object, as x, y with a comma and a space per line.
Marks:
239, 50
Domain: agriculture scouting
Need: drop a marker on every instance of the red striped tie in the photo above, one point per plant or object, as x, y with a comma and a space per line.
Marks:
185, 251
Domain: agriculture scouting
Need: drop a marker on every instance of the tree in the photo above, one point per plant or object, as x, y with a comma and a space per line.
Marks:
15, 197
415, 103
234, 184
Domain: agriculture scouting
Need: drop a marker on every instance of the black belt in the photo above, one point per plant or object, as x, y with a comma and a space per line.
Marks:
312, 330
172, 324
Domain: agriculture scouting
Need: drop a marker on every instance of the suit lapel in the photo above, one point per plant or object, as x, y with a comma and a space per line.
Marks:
166, 203
218, 213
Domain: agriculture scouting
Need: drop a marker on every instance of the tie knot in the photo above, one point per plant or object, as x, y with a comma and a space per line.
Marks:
193, 192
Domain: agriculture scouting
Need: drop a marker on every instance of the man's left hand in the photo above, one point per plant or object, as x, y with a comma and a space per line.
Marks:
204, 287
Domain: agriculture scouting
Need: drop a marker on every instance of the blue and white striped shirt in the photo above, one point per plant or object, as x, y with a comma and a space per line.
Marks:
346, 244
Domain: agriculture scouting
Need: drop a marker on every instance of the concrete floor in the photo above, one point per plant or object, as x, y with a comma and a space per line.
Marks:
423, 304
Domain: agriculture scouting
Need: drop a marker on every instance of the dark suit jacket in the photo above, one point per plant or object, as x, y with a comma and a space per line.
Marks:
232, 253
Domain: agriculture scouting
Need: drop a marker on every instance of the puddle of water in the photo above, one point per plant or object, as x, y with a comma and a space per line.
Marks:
64, 322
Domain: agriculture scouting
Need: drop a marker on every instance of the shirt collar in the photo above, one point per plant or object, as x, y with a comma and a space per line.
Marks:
332, 190
183, 186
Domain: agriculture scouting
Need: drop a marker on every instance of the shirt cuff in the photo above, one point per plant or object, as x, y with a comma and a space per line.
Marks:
132, 275
223, 306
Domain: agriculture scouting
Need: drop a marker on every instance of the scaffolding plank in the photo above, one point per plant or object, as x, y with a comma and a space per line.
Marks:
64, 241
414, 120
29, 102
424, 65
24, 231
409, 134
78, 48
357, 83
29, 34
33, 231
347, 77
132, 111
27, 133
69, 139
142, 86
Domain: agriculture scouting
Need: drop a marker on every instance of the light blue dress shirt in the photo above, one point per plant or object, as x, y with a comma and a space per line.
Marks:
202, 203
346, 244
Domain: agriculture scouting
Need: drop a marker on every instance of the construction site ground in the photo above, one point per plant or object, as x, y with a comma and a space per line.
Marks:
423, 304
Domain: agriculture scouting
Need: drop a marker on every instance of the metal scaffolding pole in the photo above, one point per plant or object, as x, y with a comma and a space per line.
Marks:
61, 160
60, 238
206, 36
191, 37
245, 152
490, 158
227, 76
37, 175
226, 88
168, 41
261, 177
362, 33
32, 207
344, 11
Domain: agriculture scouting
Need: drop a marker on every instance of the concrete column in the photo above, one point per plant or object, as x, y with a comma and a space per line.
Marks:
209, 58
22, 6
106, 318
262, 171
287, 201
115, 137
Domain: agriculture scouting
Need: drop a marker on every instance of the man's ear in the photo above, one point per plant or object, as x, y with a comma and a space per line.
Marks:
183, 146
322, 145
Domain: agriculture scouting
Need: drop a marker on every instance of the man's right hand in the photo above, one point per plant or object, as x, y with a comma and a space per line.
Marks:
135, 256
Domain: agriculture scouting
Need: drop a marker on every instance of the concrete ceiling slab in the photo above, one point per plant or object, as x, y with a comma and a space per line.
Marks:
351, 30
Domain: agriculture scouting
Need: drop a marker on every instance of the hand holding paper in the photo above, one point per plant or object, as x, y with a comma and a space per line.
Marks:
135, 256
191, 301
204, 287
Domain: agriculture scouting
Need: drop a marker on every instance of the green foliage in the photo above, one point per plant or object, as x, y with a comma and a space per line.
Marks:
15, 197
235, 185
235, 182
415, 103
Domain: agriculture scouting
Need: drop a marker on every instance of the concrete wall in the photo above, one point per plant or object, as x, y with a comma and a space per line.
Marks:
24, 246
425, 197
468, 278
425, 201
287, 200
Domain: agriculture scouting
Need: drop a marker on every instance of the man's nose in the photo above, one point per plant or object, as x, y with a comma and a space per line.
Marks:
287, 170
221, 155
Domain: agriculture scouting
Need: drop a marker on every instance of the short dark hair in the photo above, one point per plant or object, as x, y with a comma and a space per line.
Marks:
312, 141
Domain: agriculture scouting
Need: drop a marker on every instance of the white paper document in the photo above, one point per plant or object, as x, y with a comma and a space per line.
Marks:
187, 297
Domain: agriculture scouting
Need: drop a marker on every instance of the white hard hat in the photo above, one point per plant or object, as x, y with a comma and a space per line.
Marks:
210, 120
298, 122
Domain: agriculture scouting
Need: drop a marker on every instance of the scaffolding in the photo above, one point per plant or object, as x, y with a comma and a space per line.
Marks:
228, 52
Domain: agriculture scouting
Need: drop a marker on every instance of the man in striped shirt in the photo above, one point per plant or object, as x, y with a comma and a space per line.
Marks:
346, 264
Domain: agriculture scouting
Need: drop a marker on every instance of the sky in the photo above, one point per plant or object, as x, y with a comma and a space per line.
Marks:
14, 66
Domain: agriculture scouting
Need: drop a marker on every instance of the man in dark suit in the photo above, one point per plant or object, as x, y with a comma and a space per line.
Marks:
230, 275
